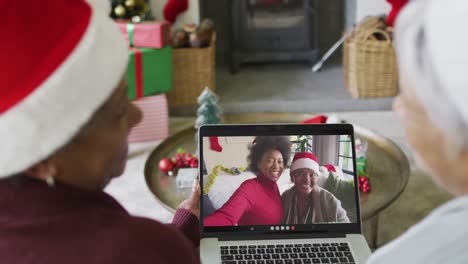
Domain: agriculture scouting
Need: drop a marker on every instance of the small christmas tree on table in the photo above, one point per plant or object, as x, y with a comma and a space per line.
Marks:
209, 111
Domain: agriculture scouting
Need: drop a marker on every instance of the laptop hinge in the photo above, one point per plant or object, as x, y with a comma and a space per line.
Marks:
281, 236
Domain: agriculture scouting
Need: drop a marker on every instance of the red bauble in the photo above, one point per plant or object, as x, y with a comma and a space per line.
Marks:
193, 163
179, 156
366, 189
166, 165
179, 164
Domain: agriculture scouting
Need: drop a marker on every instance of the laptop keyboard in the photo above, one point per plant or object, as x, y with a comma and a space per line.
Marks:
287, 254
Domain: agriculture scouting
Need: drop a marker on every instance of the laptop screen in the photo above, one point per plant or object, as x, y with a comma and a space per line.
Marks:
278, 179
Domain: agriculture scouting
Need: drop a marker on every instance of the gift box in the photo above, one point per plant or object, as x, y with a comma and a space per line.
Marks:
153, 34
155, 122
361, 164
149, 72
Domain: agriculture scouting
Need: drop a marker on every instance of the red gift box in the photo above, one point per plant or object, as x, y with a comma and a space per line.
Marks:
153, 34
155, 122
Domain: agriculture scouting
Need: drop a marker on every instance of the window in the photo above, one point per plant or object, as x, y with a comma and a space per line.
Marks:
345, 155
301, 144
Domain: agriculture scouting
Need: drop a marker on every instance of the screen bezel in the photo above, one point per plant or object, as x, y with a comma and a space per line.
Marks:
278, 130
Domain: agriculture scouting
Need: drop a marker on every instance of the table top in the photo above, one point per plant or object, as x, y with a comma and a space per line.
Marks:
387, 165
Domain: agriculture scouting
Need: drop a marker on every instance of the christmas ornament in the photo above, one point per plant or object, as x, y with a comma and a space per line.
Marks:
181, 159
166, 165
363, 184
119, 11
212, 177
130, 4
135, 10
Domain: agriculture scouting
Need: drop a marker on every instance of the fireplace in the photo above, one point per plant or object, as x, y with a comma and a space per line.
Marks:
273, 30
299, 30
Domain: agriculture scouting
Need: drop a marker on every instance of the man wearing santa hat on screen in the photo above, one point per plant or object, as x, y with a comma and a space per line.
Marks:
64, 122
306, 202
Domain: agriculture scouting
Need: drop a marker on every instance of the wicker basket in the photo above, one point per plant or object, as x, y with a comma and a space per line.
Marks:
369, 63
194, 69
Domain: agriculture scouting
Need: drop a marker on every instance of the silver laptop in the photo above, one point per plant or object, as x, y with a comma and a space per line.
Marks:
253, 211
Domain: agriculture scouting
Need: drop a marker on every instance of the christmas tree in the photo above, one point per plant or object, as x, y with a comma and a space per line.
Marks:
136, 10
209, 111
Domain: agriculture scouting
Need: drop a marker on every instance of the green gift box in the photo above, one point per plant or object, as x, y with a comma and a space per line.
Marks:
149, 72
361, 164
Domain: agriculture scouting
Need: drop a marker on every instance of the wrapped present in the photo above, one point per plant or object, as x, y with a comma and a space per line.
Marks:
361, 164
155, 122
149, 72
153, 34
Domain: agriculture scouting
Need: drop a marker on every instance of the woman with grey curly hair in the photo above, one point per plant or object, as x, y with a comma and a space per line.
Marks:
257, 201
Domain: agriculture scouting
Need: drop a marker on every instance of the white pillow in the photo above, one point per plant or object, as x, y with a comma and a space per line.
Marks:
225, 185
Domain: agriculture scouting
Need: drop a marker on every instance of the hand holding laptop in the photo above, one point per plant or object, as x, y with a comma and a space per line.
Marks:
192, 203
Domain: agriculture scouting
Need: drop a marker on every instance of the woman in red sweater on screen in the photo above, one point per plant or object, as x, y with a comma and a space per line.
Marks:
257, 201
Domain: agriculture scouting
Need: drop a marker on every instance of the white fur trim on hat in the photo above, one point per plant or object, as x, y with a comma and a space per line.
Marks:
430, 38
305, 163
52, 115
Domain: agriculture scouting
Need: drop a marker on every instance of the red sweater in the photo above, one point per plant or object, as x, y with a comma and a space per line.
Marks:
60, 224
256, 202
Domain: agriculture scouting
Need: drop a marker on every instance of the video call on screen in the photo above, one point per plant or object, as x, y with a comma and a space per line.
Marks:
253, 181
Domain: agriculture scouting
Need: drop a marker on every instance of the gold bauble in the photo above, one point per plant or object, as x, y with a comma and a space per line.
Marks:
119, 11
130, 3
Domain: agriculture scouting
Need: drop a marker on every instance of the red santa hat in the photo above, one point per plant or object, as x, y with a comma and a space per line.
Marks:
330, 167
59, 66
304, 160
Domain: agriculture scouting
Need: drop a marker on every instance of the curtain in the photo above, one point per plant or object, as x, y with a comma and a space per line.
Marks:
326, 149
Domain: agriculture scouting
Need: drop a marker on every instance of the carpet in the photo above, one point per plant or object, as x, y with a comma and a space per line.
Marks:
286, 88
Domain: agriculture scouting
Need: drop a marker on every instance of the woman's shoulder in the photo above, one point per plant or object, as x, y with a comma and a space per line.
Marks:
250, 183
288, 192
439, 238
324, 194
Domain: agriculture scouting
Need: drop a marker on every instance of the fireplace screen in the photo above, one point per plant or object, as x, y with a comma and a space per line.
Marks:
275, 14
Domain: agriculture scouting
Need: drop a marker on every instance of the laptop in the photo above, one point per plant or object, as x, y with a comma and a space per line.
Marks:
253, 211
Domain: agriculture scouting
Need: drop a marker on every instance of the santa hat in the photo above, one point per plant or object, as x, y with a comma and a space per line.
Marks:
330, 167
59, 66
430, 39
304, 160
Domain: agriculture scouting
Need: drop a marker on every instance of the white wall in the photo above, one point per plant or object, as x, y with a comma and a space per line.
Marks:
371, 7
234, 152
192, 15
